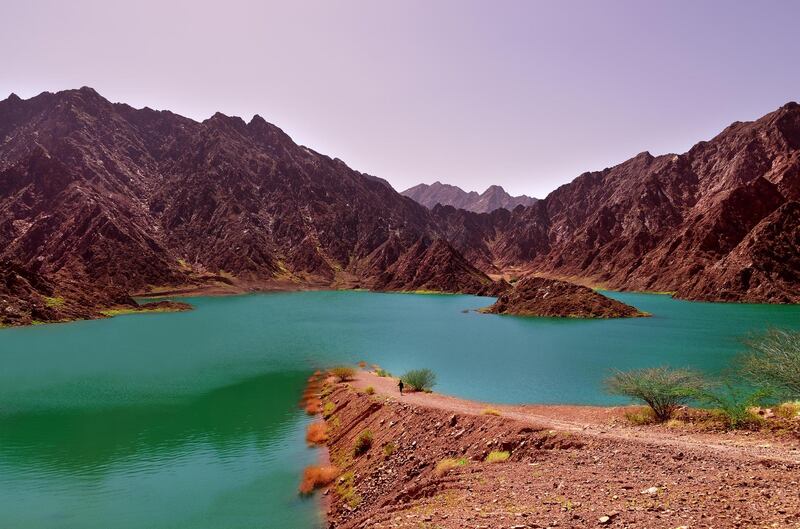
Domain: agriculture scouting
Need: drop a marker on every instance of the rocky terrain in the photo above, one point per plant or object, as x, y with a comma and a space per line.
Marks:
100, 201
539, 296
718, 223
429, 465
112, 198
495, 197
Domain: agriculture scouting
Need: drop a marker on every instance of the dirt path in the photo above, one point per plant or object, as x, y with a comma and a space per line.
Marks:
604, 422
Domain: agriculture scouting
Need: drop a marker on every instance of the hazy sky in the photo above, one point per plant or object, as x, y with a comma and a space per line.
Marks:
523, 94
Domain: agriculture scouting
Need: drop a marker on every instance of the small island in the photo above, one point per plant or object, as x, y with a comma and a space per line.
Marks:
551, 298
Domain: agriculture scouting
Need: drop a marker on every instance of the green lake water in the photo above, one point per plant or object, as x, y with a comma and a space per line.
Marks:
190, 420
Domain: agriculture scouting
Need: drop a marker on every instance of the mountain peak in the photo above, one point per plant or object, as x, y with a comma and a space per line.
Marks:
495, 197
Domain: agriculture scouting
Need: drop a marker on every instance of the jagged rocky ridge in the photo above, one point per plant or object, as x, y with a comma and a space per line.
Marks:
114, 198
495, 197
718, 223
99, 200
540, 296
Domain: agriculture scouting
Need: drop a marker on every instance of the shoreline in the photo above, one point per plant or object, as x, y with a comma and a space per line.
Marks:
436, 473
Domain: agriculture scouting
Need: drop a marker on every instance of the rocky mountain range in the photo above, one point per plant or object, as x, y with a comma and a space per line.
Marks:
495, 197
99, 201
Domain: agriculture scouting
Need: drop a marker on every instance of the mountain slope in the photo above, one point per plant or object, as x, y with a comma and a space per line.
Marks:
716, 223
495, 197
114, 197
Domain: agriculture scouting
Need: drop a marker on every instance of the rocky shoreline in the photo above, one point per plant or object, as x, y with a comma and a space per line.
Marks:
438, 462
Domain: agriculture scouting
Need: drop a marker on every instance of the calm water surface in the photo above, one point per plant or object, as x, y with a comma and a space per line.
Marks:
190, 420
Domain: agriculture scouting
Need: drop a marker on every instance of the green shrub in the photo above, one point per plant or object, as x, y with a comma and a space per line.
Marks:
389, 449
383, 373
734, 403
369, 390
363, 443
419, 379
497, 456
773, 362
343, 373
661, 388
327, 409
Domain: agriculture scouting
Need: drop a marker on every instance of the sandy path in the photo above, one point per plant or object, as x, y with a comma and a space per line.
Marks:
605, 422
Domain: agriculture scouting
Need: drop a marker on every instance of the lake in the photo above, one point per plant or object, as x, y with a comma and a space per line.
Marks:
191, 420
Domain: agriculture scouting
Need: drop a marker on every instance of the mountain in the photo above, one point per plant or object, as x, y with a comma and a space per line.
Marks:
720, 222
495, 197
112, 198
100, 201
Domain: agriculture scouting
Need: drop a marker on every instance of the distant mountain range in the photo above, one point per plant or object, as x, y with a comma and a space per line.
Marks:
99, 201
495, 197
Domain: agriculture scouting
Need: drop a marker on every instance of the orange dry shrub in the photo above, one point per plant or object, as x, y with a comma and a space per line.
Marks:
313, 405
317, 433
316, 476
362, 364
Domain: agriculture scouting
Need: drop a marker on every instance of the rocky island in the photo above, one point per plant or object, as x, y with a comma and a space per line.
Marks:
551, 298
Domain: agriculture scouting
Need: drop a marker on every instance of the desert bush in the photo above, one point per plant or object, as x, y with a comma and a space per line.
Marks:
788, 410
382, 373
369, 390
419, 379
317, 433
734, 403
389, 449
315, 477
773, 362
446, 465
490, 411
363, 443
661, 388
343, 373
313, 406
362, 364
328, 409
497, 456
641, 417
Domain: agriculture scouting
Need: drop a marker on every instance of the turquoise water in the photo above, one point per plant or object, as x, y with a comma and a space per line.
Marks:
190, 420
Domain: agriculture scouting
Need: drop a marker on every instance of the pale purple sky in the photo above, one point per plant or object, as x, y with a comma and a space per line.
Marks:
523, 94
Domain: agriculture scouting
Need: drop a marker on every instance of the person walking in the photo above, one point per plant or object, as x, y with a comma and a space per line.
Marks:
400, 385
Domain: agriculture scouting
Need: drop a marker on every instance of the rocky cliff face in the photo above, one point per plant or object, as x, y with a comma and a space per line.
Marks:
101, 200
539, 296
716, 223
128, 199
495, 197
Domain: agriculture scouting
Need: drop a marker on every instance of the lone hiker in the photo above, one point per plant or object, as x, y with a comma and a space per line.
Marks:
400, 385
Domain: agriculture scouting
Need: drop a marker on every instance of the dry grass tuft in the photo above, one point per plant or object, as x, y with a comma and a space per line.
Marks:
497, 456
491, 411
316, 476
369, 390
446, 465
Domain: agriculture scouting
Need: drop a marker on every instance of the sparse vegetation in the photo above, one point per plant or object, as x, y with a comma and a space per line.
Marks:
343, 373
54, 302
363, 443
788, 410
317, 433
389, 449
497, 456
641, 417
316, 476
382, 373
491, 411
446, 465
661, 388
419, 379
734, 403
369, 390
362, 364
346, 490
328, 408
773, 362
